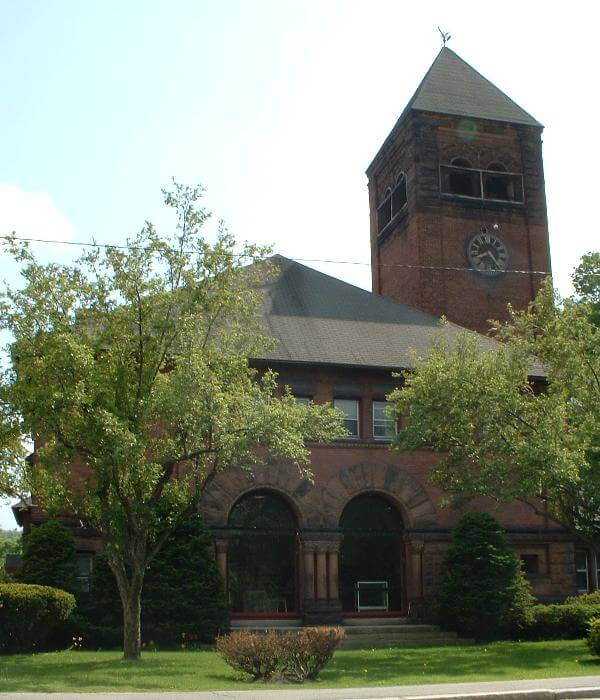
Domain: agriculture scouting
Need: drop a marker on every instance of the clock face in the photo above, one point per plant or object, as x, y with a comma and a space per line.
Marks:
487, 253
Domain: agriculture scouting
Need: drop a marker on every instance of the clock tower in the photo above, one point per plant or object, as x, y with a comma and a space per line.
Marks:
457, 200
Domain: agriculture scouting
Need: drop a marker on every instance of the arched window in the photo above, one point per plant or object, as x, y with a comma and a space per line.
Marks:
462, 179
498, 186
460, 163
371, 555
262, 556
394, 201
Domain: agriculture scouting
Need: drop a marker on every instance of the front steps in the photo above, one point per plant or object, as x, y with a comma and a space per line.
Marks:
368, 632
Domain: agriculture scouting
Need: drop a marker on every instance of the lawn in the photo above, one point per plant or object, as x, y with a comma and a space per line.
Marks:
203, 670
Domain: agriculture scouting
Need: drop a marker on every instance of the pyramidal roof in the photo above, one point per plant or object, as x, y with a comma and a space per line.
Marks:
452, 86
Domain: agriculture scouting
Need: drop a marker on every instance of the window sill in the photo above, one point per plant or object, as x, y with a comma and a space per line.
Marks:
480, 202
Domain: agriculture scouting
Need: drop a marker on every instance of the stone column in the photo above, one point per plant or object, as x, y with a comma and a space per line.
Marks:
322, 571
415, 577
334, 586
221, 545
321, 604
308, 554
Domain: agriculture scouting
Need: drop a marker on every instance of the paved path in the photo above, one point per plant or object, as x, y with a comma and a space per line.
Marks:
541, 689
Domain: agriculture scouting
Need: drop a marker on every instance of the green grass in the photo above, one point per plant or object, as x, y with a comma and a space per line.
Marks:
203, 670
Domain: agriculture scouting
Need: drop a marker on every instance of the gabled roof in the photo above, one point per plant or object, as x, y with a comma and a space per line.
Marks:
318, 319
452, 86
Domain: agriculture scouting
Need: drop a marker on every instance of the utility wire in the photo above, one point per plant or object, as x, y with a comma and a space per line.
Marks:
306, 260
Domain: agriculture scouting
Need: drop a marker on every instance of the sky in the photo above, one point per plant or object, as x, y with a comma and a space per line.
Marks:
275, 106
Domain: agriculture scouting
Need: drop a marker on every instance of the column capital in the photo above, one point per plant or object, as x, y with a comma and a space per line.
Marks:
221, 545
416, 546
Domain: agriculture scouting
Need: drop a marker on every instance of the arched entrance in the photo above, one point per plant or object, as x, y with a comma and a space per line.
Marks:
262, 555
371, 570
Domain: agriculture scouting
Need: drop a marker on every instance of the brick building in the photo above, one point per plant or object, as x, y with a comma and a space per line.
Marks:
458, 228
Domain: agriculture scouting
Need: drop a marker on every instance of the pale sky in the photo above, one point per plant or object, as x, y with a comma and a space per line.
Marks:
275, 106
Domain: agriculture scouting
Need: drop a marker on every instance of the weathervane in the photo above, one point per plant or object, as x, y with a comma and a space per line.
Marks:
446, 36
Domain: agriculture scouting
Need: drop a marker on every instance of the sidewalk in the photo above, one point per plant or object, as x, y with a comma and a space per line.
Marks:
549, 689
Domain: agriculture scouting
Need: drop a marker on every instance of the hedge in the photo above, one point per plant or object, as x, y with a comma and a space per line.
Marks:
593, 639
30, 613
563, 621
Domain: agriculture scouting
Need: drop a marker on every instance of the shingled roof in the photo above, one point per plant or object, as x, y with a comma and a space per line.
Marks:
318, 319
452, 86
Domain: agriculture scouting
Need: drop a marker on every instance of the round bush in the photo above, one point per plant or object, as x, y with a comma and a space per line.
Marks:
593, 638
29, 613
484, 594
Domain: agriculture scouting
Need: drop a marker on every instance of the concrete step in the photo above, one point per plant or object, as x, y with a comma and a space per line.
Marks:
276, 623
406, 630
378, 621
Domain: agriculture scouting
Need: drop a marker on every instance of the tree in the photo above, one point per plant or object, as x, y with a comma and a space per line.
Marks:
484, 594
132, 367
49, 557
503, 434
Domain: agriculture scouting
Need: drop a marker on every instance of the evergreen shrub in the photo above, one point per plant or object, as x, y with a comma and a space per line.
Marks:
183, 603
29, 614
485, 594
49, 557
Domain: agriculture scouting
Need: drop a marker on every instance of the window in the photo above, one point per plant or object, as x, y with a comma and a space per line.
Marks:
384, 426
303, 400
349, 407
83, 571
461, 179
581, 571
494, 183
530, 564
394, 200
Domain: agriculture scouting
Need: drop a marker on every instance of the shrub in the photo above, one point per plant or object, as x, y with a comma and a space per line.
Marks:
564, 621
484, 594
183, 591
182, 599
593, 638
256, 654
592, 598
29, 614
49, 557
298, 656
304, 654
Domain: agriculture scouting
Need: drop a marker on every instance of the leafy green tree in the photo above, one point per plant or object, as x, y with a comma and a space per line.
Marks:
49, 557
484, 594
503, 434
133, 364
10, 543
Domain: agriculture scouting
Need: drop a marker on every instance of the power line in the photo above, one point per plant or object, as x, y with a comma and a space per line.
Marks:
444, 268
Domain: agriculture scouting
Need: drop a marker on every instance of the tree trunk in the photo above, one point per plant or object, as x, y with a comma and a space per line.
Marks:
132, 636
130, 592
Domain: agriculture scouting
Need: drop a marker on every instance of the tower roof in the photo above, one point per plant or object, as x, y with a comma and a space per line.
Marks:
452, 86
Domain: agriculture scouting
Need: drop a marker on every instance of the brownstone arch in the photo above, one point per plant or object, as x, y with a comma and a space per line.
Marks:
375, 476
230, 485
